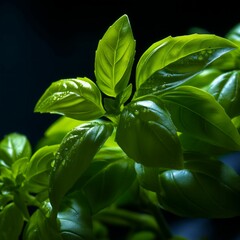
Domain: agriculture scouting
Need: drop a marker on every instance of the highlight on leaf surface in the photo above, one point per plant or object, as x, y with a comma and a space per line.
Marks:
197, 113
114, 57
101, 182
13, 147
147, 134
205, 188
226, 90
75, 218
39, 167
77, 98
74, 156
57, 130
173, 60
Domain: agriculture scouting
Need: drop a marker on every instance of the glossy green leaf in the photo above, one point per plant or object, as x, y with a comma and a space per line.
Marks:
114, 106
147, 177
57, 130
5, 176
114, 57
19, 166
77, 98
101, 182
234, 34
75, 218
14, 146
40, 227
192, 144
173, 60
226, 90
11, 222
147, 135
39, 168
20, 202
7, 185
231, 60
228, 61
74, 156
5, 197
236, 122
205, 188
197, 113
204, 78
63, 124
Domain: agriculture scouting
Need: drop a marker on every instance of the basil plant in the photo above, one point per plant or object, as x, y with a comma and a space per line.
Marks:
140, 140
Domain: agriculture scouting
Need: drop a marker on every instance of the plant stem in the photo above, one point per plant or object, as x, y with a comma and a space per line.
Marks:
161, 221
150, 203
136, 220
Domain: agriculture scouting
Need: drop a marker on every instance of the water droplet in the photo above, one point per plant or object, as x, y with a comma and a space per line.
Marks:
136, 112
164, 86
53, 163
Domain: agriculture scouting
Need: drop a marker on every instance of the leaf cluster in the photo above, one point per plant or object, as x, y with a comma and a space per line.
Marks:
125, 147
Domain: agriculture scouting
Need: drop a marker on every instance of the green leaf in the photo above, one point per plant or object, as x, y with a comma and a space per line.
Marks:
204, 78
62, 125
114, 57
205, 188
57, 130
228, 61
192, 144
234, 34
231, 60
147, 177
197, 113
19, 166
226, 90
14, 146
147, 134
101, 183
75, 218
39, 168
20, 202
40, 227
173, 60
75, 98
236, 122
114, 106
11, 222
74, 156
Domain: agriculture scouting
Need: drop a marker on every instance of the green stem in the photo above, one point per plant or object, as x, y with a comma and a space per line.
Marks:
126, 218
150, 203
161, 221
113, 118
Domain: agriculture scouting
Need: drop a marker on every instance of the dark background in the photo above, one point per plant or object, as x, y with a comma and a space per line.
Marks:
44, 41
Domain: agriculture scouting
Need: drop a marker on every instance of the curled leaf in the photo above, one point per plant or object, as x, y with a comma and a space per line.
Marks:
77, 98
